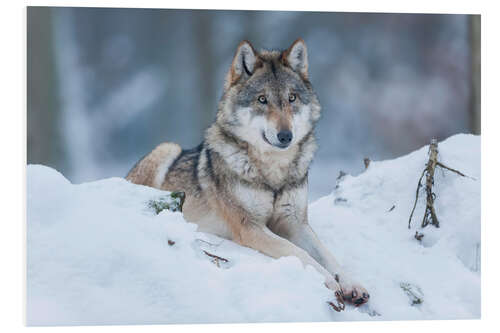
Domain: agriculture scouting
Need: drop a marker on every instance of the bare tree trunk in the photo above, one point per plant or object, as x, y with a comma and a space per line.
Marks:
43, 108
206, 65
474, 26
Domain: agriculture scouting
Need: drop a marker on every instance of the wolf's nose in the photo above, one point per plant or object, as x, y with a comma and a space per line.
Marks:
285, 137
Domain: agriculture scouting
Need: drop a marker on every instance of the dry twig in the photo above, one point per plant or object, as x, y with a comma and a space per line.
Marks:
430, 216
453, 170
419, 185
215, 258
430, 212
366, 161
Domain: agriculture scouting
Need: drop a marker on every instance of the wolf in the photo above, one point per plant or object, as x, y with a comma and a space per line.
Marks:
247, 180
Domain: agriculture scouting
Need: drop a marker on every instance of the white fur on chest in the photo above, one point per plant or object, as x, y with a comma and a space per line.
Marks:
257, 202
275, 166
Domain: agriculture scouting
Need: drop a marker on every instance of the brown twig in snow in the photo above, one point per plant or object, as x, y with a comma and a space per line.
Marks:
430, 212
419, 185
215, 258
453, 170
418, 236
366, 161
430, 216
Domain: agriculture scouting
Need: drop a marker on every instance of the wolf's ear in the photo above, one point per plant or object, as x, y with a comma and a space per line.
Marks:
243, 62
296, 57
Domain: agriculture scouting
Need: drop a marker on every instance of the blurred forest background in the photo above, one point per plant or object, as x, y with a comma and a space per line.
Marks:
105, 86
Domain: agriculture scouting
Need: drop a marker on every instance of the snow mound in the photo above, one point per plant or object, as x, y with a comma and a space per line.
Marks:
96, 254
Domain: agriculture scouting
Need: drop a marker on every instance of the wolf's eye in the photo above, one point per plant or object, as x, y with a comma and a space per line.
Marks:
292, 98
262, 99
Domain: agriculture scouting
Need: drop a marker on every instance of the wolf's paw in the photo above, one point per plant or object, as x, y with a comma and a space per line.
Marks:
338, 304
353, 292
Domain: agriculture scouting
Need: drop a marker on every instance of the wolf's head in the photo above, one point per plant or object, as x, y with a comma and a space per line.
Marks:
268, 100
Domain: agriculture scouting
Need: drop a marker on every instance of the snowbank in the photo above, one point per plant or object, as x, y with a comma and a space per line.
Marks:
96, 254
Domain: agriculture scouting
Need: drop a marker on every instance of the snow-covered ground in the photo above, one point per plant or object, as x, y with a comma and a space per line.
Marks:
96, 254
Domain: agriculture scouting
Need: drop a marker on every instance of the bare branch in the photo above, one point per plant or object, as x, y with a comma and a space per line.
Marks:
419, 185
430, 216
430, 213
453, 170
366, 161
215, 258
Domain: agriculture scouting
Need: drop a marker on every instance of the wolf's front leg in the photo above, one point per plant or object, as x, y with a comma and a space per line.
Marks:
264, 240
258, 237
291, 224
303, 236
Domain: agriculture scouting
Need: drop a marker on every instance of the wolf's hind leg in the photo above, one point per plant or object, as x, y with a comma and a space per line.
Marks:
153, 167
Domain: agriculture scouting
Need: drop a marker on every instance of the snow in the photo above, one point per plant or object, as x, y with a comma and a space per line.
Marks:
96, 254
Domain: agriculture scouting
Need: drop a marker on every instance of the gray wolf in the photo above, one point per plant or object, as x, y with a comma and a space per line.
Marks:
247, 181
